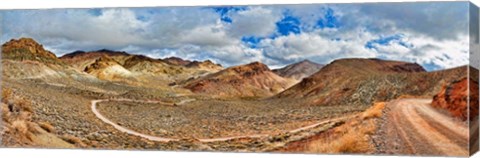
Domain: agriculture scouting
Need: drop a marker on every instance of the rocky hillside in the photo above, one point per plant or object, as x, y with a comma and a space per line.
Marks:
299, 70
140, 67
20, 129
250, 80
27, 49
26, 59
454, 98
364, 81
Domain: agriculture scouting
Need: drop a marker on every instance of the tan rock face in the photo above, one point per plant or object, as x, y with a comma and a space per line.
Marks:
455, 96
27, 49
101, 63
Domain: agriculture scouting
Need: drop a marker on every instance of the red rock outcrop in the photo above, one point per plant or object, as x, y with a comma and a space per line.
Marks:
27, 49
455, 97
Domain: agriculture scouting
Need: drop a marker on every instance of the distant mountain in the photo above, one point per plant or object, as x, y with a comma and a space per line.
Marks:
177, 61
27, 49
364, 81
97, 53
299, 70
139, 67
250, 80
148, 66
205, 65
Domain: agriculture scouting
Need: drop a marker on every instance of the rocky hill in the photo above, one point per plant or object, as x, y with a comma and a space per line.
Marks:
459, 97
26, 59
455, 96
250, 80
364, 81
106, 68
299, 70
27, 49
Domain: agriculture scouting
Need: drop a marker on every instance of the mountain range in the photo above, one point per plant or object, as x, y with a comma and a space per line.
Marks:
360, 81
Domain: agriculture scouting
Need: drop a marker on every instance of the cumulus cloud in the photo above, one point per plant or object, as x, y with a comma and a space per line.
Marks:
434, 34
255, 21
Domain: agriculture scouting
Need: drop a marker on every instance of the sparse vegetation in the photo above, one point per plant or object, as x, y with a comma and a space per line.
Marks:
375, 111
347, 140
16, 115
41, 95
352, 137
73, 140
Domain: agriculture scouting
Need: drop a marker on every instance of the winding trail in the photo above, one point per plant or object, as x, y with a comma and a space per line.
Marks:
412, 126
165, 139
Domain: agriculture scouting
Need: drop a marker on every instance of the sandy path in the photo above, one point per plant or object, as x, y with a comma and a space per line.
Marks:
123, 129
412, 126
164, 139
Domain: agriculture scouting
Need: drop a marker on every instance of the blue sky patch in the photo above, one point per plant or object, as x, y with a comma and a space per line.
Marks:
95, 12
223, 11
329, 20
289, 24
251, 41
387, 41
431, 66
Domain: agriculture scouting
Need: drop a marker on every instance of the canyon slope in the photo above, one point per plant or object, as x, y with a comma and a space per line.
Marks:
250, 80
364, 81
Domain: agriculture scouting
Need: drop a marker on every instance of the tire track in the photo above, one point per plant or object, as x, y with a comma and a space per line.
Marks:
416, 128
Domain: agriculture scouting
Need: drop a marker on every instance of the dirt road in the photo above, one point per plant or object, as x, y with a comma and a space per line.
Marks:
412, 126
164, 139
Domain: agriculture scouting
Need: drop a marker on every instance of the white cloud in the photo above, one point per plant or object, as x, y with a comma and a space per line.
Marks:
295, 47
428, 50
437, 32
256, 21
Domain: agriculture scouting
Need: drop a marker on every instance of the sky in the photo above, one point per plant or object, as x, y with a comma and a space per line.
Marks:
433, 34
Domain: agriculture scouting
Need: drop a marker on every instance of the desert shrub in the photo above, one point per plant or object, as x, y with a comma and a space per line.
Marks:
6, 94
351, 137
375, 111
5, 112
47, 127
351, 142
73, 140
20, 127
24, 104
